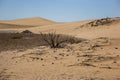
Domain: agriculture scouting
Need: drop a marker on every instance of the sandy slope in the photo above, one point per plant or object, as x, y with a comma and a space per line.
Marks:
95, 59
27, 22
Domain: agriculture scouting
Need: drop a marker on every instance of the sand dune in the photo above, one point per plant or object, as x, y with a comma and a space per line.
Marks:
96, 58
74, 28
110, 29
27, 22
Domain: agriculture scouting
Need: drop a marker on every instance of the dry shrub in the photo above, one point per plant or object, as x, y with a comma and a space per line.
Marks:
56, 40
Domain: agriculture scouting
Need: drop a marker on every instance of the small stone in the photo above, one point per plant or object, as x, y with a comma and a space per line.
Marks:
116, 48
52, 63
41, 58
67, 55
56, 57
114, 62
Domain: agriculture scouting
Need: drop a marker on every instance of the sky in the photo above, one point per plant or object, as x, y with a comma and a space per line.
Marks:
59, 10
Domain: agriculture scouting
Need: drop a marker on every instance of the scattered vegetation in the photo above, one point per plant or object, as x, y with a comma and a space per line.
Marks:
18, 41
11, 41
99, 22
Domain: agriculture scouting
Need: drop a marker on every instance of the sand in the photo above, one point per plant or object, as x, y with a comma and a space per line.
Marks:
98, 58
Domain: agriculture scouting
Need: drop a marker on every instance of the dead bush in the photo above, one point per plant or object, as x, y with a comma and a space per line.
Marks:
56, 40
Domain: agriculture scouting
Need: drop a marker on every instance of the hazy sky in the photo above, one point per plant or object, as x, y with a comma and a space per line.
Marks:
59, 10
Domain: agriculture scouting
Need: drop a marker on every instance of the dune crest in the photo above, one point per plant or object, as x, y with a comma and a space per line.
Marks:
36, 21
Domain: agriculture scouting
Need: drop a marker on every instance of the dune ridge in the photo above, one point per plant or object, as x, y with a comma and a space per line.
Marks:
35, 21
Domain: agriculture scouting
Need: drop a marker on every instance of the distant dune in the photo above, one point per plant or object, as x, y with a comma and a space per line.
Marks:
105, 27
110, 28
27, 22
